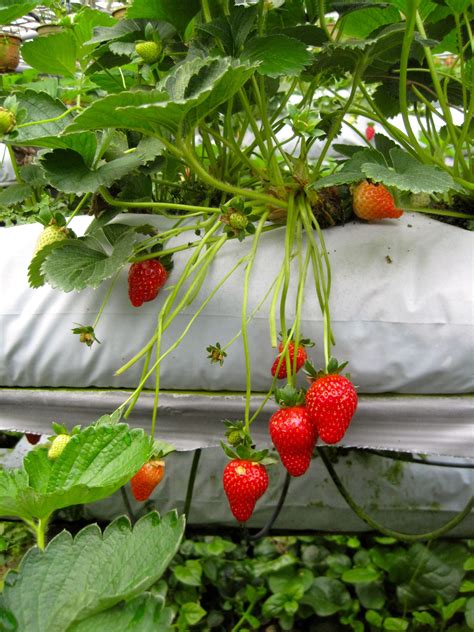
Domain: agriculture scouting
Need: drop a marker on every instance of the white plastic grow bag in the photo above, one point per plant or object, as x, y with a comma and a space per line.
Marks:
402, 309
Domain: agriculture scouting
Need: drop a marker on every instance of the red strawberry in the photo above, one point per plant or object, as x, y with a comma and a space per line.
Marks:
373, 201
147, 478
294, 436
331, 402
145, 280
32, 437
369, 132
244, 482
301, 357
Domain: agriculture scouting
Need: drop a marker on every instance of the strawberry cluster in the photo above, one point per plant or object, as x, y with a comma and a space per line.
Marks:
324, 411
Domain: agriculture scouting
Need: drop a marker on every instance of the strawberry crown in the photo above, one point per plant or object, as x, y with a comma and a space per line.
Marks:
60, 429
248, 454
161, 449
86, 333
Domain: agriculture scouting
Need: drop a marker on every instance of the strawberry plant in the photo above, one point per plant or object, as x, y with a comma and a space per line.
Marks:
217, 119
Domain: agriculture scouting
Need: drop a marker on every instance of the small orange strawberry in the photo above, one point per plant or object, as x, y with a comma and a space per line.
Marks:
373, 201
147, 478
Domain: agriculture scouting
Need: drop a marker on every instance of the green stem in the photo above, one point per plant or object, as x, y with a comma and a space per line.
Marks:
134, 399
436, 211
259, 140
359, 69
439, 91
157, 378
322, 19
404, 537
40, 530
106, 299
289, 240
223, 186
191, 481
183, 334
244, 616
16, 169
129, 204
50, 120
251, 259
80, 205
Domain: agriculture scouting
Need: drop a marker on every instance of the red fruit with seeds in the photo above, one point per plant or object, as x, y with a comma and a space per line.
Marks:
374, 201
369, 132
147, 478
145, 279
32, 438
294, 436
244, 483
331, 402
301, 358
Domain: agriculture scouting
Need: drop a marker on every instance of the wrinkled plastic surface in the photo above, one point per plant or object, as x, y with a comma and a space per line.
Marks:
402, 307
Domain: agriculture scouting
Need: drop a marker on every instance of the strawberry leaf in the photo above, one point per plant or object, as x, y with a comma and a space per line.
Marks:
91, 573
83, 262
36, 277
95, 463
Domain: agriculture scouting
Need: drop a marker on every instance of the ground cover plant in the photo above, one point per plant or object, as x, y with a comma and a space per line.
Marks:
219, 120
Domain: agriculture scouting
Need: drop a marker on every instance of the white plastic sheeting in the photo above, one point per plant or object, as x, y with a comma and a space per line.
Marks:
402, 308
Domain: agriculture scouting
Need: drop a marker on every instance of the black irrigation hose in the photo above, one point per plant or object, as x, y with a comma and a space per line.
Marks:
410, 459
405, 537
266, 529
191, 480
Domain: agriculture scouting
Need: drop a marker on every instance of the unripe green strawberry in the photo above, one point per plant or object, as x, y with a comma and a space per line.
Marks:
234, 438
420, 200
49, 235
238, 220
58, 445
149, 51
7, 121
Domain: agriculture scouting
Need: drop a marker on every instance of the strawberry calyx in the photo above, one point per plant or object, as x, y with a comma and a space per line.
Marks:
238, 219
333, 368
216, 353
86, 334
302, 342
248, 453
289, 396
161, 449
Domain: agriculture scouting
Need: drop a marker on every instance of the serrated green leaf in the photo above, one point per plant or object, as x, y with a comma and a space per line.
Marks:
54, 54
12, 10
142, 614
189, 573
15, 193
39, 107
277, 55
409, 175
96, 462
35, 275
67, 171
177, 14
352, 169
191, 613
90, 573
78, 265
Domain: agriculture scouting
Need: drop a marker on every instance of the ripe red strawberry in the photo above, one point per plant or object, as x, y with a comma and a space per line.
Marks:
244, 482
331, 402
32, 437
301, 357
145, 280
147, 478
373, 201
369, 132
294, 436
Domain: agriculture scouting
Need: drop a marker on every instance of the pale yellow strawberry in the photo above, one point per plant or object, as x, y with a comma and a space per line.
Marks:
49, 235
58, 445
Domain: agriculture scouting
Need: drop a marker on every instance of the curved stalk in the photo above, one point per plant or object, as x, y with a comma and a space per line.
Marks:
405, 537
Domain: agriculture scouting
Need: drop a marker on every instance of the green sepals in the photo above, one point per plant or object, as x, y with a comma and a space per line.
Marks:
305, 122
248, 454
162, 449
47, 217
216, 353
238, 219
335, 367
86, 334
289, 396
304, 342
59, 428
237, 434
